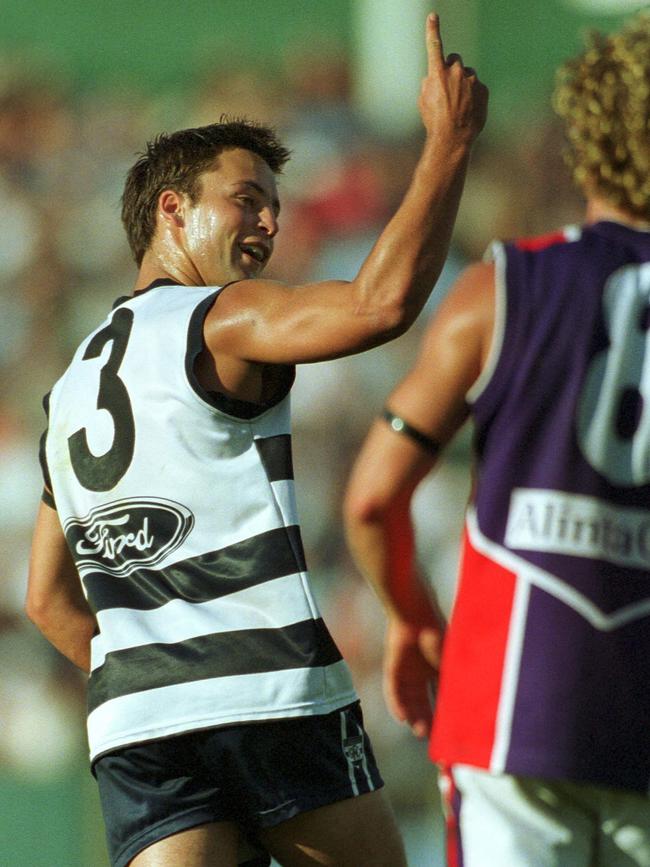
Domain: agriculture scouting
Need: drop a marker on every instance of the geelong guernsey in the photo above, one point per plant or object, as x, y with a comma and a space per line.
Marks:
546, 668
178, 507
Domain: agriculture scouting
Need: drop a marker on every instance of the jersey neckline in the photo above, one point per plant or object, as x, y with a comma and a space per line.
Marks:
160, 281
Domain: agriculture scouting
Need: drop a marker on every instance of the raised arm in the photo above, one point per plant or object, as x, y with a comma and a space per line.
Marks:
55, 602
264, 321
423, 413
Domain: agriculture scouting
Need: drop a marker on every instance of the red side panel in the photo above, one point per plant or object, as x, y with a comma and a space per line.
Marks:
473, 661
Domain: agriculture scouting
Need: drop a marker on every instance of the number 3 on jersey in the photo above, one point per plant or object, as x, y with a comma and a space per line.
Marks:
614, 408
103, 472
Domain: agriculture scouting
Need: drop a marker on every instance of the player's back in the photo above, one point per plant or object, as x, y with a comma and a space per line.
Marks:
564, 400
549, 634
178, 507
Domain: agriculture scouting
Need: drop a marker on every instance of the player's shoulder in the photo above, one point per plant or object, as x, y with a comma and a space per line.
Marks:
240, 300
468, 307
473, 284
239, 291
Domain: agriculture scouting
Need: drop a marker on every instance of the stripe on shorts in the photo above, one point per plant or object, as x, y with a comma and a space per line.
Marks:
451, 805
354, 749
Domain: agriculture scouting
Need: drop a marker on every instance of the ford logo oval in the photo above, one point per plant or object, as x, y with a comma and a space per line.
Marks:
125, 535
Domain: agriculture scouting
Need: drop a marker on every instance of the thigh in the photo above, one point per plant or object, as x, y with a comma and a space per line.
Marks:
357, 832
158, 798
310, 786
292, 766
212, 845
499, 819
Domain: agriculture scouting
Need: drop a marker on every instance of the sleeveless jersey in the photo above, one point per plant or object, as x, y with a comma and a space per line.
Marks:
546, 668
178, 508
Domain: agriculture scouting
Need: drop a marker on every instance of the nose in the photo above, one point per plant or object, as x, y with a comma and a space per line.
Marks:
268, 220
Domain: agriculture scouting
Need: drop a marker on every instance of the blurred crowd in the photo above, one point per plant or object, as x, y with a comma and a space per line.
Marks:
63, 260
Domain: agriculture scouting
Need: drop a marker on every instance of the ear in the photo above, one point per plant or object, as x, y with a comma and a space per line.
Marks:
170, 208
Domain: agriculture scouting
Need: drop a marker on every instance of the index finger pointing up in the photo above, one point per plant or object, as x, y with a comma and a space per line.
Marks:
435, 54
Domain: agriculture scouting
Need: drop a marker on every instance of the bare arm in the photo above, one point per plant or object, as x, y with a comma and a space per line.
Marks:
431, 398
264, 321
55, 602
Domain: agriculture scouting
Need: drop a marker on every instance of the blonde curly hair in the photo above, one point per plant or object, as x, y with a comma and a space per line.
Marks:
603, 97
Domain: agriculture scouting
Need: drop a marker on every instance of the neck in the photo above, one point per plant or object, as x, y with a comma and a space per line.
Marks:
601, 209
172, 265
148, 273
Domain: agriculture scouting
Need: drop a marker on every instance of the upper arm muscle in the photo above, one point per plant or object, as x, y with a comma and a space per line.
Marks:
268, 322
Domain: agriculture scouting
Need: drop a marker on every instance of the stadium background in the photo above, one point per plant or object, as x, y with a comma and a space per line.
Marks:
82, 85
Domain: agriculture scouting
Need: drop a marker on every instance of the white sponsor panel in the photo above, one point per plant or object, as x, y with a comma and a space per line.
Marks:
580, 526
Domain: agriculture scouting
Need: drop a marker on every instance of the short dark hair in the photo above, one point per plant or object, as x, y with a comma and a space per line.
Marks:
174, 161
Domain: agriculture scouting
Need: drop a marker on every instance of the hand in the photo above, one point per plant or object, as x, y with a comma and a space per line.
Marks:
411, 664
453, 102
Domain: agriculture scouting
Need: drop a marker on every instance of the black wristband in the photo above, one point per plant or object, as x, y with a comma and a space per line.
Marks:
402, 427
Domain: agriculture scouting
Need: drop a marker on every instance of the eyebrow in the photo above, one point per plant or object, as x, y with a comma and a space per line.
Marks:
260, 189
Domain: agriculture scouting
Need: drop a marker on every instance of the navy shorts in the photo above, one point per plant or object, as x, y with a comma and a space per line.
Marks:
255, 775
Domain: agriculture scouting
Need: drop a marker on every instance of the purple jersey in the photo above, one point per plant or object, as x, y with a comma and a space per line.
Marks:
547, 662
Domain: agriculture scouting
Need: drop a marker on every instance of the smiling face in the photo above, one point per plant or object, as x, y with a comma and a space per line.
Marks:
227, 234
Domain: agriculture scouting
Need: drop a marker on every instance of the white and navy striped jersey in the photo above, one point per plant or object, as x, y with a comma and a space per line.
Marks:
178, 506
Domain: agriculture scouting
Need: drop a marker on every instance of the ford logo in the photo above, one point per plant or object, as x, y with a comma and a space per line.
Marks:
125, 535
